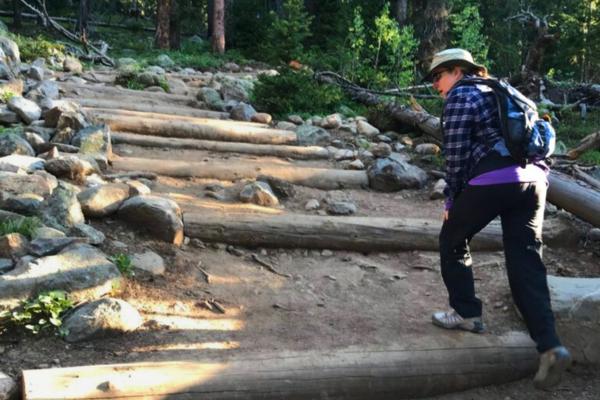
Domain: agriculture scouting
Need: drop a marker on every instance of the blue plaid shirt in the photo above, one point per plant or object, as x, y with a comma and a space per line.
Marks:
471, 128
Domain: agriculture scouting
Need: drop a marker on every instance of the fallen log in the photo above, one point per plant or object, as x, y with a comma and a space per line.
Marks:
590, 180
419, 366
101, 91
565, 193
148, 108
587, 143
210, 129
299, 152
326, 232
232, 170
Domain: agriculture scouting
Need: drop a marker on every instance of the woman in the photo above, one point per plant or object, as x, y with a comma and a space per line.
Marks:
484, 182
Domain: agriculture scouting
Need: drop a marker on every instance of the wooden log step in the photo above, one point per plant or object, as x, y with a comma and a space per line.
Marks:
299, 152
566, 193
326, 232
232, 170
148, 108
419, 366
209, 129
95, 91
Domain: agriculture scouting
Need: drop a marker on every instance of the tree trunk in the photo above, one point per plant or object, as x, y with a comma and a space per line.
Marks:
400, 11
17, 21
210, 11
432, 30
566, 193
320, 178
218, 33
163, 8
82, 21
174, 26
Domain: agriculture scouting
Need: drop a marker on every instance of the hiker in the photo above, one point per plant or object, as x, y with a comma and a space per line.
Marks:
481, 184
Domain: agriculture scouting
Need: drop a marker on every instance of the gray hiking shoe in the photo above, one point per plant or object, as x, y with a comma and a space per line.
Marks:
552, 365
451, 320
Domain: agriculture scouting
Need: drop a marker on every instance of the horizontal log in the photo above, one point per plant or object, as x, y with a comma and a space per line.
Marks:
326, 232
209, 129
299, 152
565, 193
419, 366
148, 108
102, 91
320, 178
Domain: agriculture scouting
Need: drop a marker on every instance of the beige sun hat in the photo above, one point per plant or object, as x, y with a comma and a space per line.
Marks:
453, 57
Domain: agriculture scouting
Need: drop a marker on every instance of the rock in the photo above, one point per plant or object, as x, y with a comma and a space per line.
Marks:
438, 190
75, 121
388, 175
332, 121
366, 129
594, 234
101, 318
147, 79
17, 184
282, 189
177, 86
44, 247
56, 109
312, 204
150, 262
165, 61
94, 139
71, 167
262, 118
8, 387
341, 208
104, 200
7, 116
312, 135
384, 138
37, 142
242, 112
27, 110
231, 66
24, 204
259, 193
93, 235
62, 210
11, 52
381, 150
576, 305
15, 162
287, 126
154, 69
6, 264
356, 165
72, 64
43, 90
13, 143
295, 119
137, 188
427, 148
344, 154
80, 269
13, 245
45, 232
406, 141
159, 216
235, 89
212, 98
124, 61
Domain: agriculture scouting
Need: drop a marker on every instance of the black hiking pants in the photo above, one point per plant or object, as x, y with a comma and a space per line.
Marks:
521, 209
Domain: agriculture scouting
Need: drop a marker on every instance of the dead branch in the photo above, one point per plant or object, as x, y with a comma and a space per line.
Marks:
590, 180
42, 13
589, 142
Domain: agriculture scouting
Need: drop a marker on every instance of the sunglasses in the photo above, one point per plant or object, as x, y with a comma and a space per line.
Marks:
438, 75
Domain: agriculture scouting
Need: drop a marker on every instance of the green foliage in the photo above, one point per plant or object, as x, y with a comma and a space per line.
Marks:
467, 31
41, 313
123, 263
284, 40
294, 91
6, 95
26, 226
36, 47
572, 129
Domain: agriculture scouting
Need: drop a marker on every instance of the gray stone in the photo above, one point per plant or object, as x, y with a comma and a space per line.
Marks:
56, 109
295, 119
312, 135
101, 318
6, 264
24, 203
212, 98
73, 65
282, 189
123, 61
312, 204
104, 200
45, 232
48, 246
262, 118
235, 89
137, 188
242, 112
231, 66
17, 184
62, 210
10, 50
13, 245
366, 129
286, 126
594, 234
149, 262
438, 190
332, 121
381, 150
44, 90
153, 69
341, 208
389, 175
160, 216
93, 235
36, 141
165, 61
36, 73
71, 167
7, 116
177, 86
357, 165
80, 269
73, 120
94, 139
27, 110
344, 154
259, 193
13, 143
427, 148
17, 161
8, 387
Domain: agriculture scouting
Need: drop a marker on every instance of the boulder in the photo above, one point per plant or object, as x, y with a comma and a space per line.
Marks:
381, 150
341, 208
212, 98
234, 89
103, 200
25, 203
282, 189
177, 86
44, 90
45, 232
6, 264
94, 139
47, 246
16, 162
437, 192
137, 188
366, 129
73, 65
8, 387
333, 121
58, 108
13, 245
312, 204
71, 167
165, 61
79, 269
295, 119
61, 209
160, 216
27, 110
428, 148
13, 143
7, 116
36, 73
93, 235
10, 50
150, 262
312, 135
262, 118
242, 112
101, 318
153, 69
72, 120
259, 193
389, 175
287, 126
18, 184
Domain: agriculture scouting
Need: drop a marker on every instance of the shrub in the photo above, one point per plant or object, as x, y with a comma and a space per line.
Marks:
41, 313
295, 91
36, 47
123, 263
